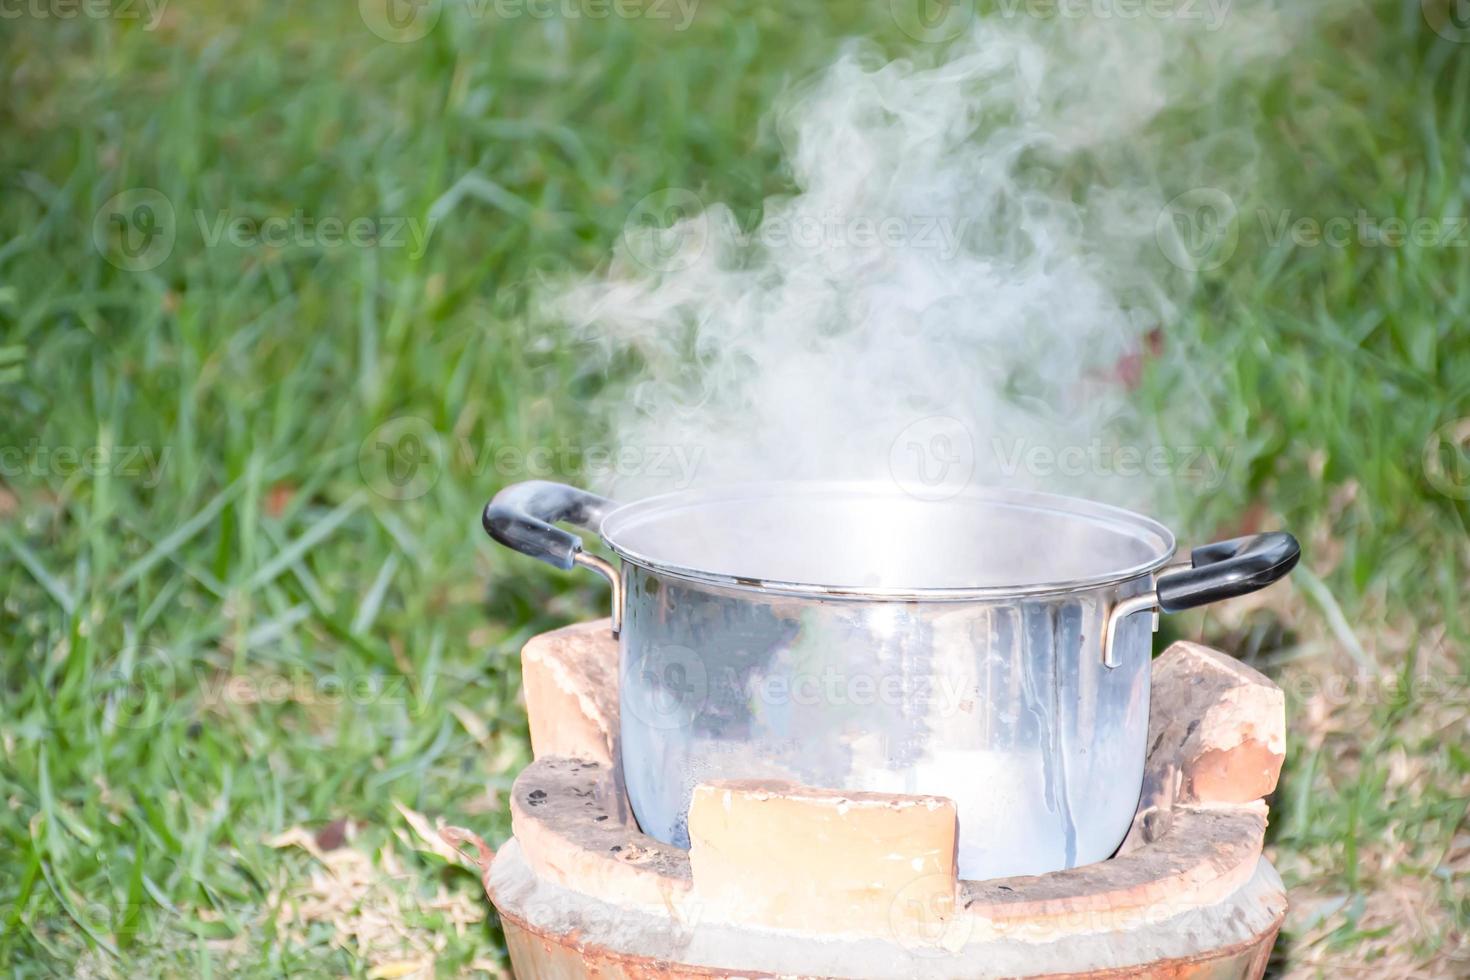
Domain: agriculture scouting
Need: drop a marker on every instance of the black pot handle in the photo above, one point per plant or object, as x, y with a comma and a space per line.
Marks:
1226, 569
521, 518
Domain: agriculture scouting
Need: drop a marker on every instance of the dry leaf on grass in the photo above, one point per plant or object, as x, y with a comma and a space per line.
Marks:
375, 906
431, 837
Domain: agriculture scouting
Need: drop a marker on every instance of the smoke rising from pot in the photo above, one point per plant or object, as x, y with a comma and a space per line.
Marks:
968, 254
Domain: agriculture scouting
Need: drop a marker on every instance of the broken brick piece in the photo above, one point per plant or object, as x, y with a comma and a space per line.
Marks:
570, 680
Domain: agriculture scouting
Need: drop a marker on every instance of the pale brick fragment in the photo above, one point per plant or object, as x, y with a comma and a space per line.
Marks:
780, 855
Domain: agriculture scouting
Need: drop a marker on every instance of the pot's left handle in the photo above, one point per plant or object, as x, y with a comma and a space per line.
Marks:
523, 517
1220, 570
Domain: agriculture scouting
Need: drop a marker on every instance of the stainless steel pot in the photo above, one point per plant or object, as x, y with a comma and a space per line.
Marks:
993, 647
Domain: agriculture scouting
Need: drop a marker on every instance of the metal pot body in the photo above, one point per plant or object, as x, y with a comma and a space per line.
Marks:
1006, 707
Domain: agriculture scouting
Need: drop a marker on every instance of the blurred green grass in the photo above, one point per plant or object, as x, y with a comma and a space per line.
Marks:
138, 807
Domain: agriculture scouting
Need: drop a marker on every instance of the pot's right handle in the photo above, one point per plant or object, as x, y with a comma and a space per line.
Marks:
1226, 569
523, 517
1221, 570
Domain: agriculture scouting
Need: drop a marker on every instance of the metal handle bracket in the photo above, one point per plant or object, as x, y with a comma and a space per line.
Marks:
1120, 612
605, 568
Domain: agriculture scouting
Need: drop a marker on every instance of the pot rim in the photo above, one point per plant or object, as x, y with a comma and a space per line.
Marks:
1077, 507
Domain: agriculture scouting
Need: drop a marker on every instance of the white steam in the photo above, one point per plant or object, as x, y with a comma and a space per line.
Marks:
968, 255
